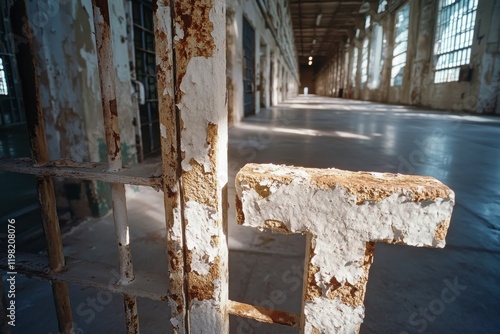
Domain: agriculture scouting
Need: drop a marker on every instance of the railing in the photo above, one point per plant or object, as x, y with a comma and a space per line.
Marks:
341, 213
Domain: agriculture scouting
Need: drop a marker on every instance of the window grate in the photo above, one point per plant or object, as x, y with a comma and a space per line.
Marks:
454, 33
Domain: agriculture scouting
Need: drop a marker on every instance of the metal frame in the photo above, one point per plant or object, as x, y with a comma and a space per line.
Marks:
453, 38
193, 115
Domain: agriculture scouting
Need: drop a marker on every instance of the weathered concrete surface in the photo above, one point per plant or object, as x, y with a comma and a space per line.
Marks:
343, 213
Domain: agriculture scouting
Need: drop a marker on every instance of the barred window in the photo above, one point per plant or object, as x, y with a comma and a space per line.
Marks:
4, 90
400, 45
453, 40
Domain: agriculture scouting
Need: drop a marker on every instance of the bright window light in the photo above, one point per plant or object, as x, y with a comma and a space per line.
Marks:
364, 62
4, 90
400, 45
382, 4
354, 66
455, 29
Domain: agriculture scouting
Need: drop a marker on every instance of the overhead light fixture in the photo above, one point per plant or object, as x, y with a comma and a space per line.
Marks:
365, 7
318, 18
310, 58
314, 41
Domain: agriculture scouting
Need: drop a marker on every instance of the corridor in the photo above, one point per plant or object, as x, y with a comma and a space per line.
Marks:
405, 290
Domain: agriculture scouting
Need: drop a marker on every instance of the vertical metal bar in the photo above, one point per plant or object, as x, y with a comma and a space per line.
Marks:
171, 162
200, 91
102, 25
193, 126
25, 55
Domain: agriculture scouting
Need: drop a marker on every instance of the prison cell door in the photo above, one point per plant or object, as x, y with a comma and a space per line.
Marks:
249, 68
145, 71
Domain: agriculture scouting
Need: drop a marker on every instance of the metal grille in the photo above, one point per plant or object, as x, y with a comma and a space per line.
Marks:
454, 34
145, 70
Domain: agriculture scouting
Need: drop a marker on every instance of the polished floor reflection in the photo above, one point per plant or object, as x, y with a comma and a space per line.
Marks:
409, 288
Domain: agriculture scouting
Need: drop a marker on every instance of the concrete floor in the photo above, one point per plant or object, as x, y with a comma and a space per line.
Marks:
462, 151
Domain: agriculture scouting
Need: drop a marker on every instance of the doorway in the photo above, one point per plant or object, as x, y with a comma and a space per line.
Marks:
248, 68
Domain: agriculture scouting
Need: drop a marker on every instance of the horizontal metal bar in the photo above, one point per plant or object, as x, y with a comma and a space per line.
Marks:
91, 274
143, 175
263, 314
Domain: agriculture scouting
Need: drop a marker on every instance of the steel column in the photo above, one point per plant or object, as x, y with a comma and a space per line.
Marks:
102, 25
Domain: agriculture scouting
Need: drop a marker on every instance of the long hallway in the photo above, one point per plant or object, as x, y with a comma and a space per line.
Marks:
407, 286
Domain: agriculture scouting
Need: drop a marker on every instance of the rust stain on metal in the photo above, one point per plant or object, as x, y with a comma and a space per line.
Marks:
63, 306
263, 314
353, 294
440, 233
311, 288
313, 291
193, 17
113, 108
202, 286
240, 216
365, 186
201, 186
103, 7
132, 318
277, 226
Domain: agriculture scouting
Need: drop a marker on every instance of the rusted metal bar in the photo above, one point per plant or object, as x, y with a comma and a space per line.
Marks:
63, 305
122, 232
26, 55
142, 175
171, 162
200, 90
263, 314
131, 313
102, 26
107, 80
91, 274
193, 126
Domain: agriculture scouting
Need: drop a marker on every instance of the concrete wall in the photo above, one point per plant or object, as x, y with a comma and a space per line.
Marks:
479, 95
70, 90
276, 69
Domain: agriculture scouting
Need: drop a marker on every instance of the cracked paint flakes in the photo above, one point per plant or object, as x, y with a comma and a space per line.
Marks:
200, 236
199, 42
342, 227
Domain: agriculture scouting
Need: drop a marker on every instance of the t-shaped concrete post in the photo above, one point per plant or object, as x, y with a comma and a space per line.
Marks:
343, 214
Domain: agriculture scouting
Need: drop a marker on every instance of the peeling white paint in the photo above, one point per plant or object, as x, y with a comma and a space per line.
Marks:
164, 25
318, 315
201, 317
163, 130
200, 104
199, 236
340, 229
179, 32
